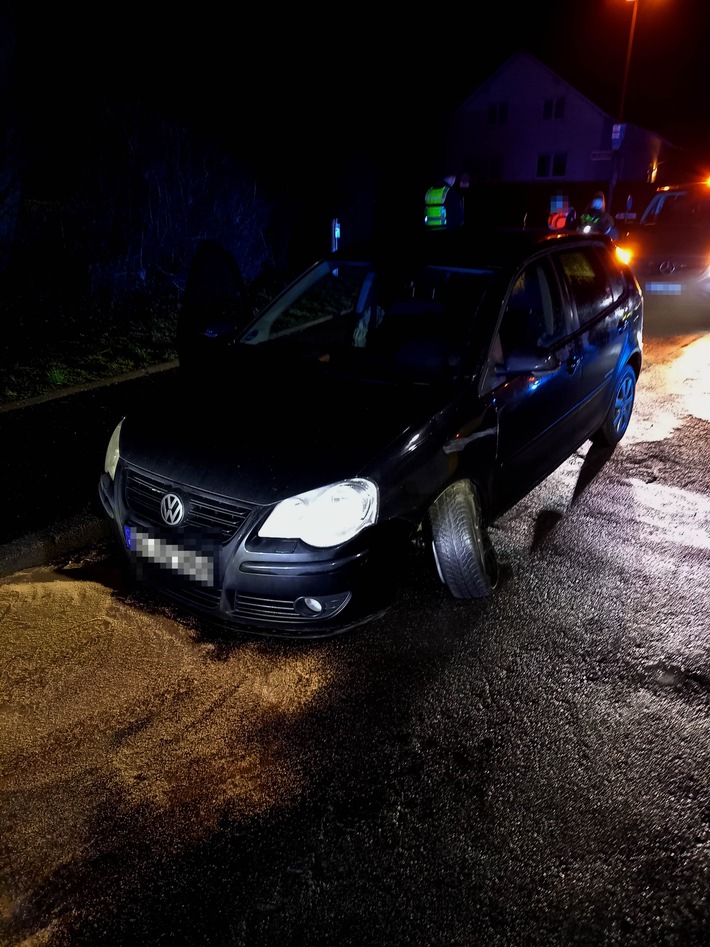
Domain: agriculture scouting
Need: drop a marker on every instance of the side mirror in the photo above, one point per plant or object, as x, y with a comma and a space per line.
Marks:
530, 361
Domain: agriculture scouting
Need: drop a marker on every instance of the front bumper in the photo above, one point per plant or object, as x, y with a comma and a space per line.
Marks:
234, 579
675, 288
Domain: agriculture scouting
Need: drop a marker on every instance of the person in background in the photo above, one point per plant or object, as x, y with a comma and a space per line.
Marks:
596, 219
444, 204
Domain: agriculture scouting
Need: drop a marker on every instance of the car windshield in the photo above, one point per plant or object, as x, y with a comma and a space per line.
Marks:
679, 208
416, 324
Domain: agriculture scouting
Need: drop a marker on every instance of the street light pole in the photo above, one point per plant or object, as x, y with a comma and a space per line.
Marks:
617, 157
628, 59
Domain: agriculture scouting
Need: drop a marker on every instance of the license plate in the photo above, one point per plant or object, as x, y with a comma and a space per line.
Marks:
663, 289
170, 556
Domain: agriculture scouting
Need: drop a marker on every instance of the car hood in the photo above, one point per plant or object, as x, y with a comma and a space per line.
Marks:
289, 435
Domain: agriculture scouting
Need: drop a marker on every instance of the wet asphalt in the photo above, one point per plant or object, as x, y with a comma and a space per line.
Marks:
526, 771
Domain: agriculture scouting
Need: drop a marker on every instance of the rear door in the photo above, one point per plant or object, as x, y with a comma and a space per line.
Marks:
602, 307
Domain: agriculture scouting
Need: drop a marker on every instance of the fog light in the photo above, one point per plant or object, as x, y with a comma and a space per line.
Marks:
313, 605
308, 606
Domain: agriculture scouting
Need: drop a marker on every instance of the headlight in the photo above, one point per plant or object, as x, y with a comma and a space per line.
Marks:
112, 452
327, 516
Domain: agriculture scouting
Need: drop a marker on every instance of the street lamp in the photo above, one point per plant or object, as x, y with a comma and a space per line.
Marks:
628, 59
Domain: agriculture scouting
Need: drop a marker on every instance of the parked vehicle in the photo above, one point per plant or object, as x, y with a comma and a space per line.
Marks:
669, 247
394, 393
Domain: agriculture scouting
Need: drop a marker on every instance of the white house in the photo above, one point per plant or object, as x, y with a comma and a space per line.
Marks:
526, 124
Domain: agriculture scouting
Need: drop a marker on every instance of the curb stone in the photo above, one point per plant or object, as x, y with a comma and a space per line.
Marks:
63, 538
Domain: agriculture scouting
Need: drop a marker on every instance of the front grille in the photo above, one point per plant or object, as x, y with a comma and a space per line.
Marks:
220, 516
198, 595
260, 608
263, 609
685, 268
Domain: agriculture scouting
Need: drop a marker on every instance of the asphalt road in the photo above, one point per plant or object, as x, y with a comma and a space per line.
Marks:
531, 770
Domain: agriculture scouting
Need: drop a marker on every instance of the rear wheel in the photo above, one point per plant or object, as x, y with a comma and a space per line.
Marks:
620, 410
464, 555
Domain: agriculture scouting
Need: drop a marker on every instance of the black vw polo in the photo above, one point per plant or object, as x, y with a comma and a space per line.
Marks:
389, 393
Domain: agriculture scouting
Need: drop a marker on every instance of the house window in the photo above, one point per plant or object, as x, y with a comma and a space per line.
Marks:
559, 166
553, 109
551, 166
485, 167
498, 113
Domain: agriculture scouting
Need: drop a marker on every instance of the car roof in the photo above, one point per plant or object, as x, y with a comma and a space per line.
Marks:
700, 187
499, 249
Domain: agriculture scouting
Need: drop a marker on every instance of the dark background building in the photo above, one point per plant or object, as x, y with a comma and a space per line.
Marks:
127, 142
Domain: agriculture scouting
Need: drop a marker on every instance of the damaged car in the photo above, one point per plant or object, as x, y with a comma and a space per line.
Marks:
394, 393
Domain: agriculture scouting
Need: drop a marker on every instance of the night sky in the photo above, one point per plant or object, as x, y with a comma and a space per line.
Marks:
292, 81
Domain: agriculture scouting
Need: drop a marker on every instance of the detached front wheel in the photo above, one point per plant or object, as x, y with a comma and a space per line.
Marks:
464, 555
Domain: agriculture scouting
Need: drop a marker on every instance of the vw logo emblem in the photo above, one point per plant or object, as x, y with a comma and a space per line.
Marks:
667, 267
172, 509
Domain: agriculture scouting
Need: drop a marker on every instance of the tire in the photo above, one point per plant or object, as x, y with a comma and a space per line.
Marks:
620, 410
463, 553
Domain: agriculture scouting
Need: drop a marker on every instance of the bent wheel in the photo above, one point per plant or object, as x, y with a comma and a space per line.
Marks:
464, 555
620, 410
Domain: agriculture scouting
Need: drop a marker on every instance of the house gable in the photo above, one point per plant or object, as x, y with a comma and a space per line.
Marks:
525, 123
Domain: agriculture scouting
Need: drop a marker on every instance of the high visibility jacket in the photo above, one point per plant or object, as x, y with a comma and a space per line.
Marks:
598, 222
434, 209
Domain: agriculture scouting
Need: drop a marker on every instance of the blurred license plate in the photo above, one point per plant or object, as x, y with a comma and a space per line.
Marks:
663, 289
170, 556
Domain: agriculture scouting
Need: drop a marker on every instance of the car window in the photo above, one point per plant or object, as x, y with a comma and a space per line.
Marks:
383, 321
665, 207
327, 299
695, 211
588, 281
617, 278
533, 317
678, 208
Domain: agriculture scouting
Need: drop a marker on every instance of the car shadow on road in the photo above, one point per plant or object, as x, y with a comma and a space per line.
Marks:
595, 460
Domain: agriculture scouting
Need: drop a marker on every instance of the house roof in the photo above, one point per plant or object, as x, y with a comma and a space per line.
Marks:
531, 62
